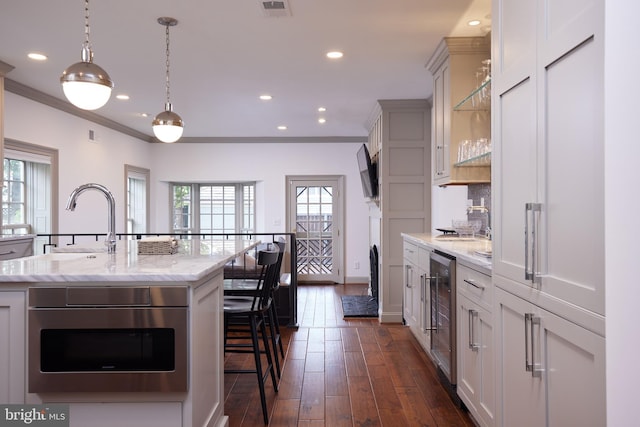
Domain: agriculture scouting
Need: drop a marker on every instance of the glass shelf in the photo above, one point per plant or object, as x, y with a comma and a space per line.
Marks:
481, 160
466, 105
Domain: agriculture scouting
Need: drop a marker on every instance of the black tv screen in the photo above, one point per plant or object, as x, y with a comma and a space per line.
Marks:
368, 173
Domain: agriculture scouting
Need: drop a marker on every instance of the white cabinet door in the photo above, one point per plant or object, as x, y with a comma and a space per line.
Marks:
411, 295
441, 118
12, 347
476, 372
411, 286
548, 150
551, 371
424, 306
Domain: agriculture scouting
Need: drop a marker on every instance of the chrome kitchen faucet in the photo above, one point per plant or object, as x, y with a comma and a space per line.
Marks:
110, 242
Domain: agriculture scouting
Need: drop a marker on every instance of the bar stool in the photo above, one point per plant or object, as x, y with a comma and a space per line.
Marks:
253, 312
238, 287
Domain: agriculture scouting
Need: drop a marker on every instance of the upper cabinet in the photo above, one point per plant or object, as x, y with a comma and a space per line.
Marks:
548, 85
461, 111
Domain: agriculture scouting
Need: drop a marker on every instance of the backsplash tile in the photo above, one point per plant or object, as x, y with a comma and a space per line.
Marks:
477, 192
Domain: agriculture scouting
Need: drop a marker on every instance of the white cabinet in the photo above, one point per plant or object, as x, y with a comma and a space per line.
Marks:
548, 204
16, 247
453, 67
12, 347
416, 301
552, 370
548, 150
411, 294
476, 369
399, 132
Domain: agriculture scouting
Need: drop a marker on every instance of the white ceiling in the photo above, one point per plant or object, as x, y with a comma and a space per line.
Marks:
225, 54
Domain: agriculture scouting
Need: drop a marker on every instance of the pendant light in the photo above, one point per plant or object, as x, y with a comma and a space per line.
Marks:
168, 126
85, 84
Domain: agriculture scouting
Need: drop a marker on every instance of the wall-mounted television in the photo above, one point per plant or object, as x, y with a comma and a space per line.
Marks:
368, 173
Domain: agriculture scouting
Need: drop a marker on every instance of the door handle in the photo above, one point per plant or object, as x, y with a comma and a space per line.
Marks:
407, 278
472, 342
530, 273
474, 284
530, 321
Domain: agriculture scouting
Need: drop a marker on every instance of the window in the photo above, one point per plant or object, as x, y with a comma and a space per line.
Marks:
213, 208
13, 193
29, 191
137, 204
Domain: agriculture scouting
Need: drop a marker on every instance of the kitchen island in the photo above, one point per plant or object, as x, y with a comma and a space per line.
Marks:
196, 269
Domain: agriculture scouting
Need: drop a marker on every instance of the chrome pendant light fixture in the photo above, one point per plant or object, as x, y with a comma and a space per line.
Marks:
168, 126
85, 84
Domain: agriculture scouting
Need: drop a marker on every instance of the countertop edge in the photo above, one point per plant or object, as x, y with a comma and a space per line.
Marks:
463, 251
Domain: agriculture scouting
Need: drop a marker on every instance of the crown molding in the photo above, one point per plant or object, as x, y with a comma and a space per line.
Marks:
268, 139
5, 68
57, 103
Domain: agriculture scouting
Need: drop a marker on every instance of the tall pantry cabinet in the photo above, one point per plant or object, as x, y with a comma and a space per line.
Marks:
548, 201
399, 133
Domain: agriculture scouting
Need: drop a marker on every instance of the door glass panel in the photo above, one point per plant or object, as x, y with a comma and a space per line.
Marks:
314, 219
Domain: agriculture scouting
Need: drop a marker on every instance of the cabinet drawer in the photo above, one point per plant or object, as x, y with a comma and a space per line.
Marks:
474, 285
411, 252
16, 249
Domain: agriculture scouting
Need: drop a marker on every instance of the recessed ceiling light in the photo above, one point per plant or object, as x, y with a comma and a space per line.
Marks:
144, 114
335, 54
122, 97
282, 127
473, 23
322, 120
322, 109
37, 56
266, 97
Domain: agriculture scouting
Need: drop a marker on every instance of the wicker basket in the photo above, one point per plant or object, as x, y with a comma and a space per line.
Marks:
164, 247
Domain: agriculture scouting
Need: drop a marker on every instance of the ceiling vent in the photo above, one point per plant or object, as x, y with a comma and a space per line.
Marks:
275, 8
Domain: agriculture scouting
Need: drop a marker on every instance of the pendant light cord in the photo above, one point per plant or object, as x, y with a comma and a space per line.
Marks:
167, 64
87, 43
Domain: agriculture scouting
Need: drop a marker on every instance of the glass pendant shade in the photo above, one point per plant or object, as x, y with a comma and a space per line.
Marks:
86, 85
168, 126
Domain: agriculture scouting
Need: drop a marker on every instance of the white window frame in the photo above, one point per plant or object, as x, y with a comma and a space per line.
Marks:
241, 206
140, 174
28, 152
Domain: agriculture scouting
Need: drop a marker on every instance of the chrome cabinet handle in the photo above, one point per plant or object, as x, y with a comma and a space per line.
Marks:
530, 273
11, 252
423, 322
408, 271
527, 320
474, 284
530, 320
535, 372
431, 304
472, 342
436, 304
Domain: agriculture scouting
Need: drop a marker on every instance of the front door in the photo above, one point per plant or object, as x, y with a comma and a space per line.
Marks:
314, 206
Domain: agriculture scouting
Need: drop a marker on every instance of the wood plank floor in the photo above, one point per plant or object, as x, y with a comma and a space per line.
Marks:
341, 372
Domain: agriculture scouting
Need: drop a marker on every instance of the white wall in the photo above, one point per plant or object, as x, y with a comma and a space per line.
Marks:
103, 162
447, 203
268, 164
80, 161
622, 177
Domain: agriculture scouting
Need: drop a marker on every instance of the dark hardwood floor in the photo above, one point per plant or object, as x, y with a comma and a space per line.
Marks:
341, 372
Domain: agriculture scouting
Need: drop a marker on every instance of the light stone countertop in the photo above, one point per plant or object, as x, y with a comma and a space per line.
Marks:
195, 260
467, 250
10, 237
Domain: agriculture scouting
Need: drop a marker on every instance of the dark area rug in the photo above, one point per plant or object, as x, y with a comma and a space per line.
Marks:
359, 306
